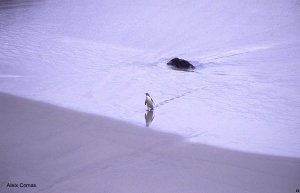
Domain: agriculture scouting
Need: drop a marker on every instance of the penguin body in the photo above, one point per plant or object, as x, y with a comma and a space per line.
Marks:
149, 102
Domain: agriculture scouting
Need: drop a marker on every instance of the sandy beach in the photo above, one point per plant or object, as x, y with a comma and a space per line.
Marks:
73, 78
60, 150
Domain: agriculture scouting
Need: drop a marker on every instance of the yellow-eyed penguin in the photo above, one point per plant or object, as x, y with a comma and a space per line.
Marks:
149, 102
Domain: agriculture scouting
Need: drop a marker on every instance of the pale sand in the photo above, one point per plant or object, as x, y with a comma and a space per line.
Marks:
66, 151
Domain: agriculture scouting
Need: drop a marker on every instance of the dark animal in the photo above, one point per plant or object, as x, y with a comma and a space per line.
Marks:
180, 64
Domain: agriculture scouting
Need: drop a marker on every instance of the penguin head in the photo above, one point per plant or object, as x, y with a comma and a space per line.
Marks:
147, 94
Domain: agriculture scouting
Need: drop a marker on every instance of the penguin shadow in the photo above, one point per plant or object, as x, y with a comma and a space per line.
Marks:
149, 116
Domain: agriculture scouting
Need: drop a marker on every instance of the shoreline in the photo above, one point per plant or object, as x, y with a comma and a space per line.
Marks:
61, 150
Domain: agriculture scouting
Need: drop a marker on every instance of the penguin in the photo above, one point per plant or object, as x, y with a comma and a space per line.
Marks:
149, 102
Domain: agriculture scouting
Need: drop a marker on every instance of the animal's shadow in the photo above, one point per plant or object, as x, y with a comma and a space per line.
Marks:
149, 116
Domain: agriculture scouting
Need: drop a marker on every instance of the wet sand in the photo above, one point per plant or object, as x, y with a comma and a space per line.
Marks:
61, 150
